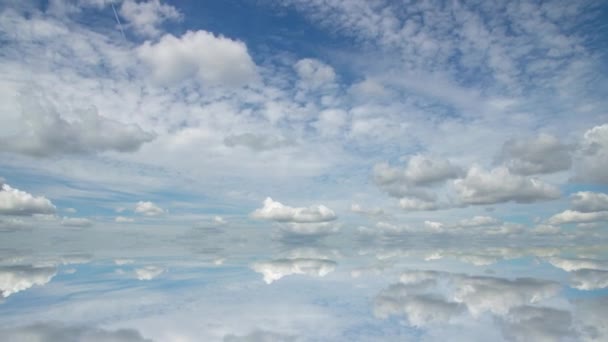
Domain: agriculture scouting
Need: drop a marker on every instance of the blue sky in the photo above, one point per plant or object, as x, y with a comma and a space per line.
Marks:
316, 122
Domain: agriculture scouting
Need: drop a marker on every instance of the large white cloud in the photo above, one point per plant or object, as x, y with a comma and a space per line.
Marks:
587, 201
277, 269
593, 156
45, 132
276, 211
14, 279
210, 59
17, 202
544, 154
145, 16
500, 185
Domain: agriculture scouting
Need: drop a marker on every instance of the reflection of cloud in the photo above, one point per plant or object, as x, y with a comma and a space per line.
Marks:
57, 332
586, 279
14, 279
420, 309
148, 272
277, 269
260, 336
528, 323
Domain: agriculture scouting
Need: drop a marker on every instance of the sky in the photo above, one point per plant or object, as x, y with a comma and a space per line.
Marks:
380, 170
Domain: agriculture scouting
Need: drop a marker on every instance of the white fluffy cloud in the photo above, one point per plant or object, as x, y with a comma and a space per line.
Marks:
314, 73
211, 60
593, 156
45, 132
17, 202
420, 171
277, 269
14, 279
145, 16
148, 209
276, 211
148, 272
544, 154
587, 201
500, 185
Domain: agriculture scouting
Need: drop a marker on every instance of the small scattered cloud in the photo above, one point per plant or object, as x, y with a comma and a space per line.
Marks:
145, 17
148, 272
148, 209
277, 269
76, 222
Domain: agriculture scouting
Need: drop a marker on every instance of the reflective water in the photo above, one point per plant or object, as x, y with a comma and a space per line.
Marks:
255, 283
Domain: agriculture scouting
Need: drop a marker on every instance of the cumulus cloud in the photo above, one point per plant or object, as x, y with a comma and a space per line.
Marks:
277, 269
76, 222
146, 16
572, 216
587, 201
331, 121
593, 156
17, 202
544, 154
419, 171
46, 133
314, 73
276, 211
14, 279
148, 209
500, 185
211, 60
257, 142
148, 272
58, 332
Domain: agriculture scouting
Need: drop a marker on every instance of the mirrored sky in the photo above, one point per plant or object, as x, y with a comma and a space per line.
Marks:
303, 170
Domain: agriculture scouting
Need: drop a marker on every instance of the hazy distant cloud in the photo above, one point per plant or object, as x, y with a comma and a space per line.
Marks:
573, 216
415, 204
146, 16
578, 264
500, 185
277, 269
593, 156
148, 272
14, 279
544, 154
260, 336
587, 201
46, 133
276, 211
211, 60
17, 202
123, 219
148, 209
256, 142
76, 222
58, 332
